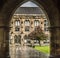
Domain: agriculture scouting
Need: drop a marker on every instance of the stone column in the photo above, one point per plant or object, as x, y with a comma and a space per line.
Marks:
4, 42
55, 42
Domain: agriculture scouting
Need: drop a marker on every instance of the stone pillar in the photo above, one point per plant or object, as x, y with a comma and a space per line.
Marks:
55, 42
4, 42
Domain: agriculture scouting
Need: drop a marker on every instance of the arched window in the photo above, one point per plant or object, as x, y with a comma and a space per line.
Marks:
17, 22
27, 25
36, 23
17, 25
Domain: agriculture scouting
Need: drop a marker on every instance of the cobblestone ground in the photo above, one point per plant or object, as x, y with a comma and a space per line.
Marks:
27, 52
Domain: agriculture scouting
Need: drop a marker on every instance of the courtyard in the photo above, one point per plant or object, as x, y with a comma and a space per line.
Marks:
28, 52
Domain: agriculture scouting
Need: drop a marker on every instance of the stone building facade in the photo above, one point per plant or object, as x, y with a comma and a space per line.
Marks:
24, 21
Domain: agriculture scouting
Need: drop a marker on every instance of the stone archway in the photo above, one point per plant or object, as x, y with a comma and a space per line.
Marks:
6, 13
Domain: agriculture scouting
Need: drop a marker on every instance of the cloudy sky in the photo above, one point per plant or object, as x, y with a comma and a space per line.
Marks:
29, 4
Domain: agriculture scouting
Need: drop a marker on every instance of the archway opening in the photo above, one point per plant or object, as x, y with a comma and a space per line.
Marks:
25, 21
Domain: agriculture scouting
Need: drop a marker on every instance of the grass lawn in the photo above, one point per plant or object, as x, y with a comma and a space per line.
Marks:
44, 49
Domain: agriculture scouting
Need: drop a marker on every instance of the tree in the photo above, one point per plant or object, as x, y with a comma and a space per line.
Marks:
38, 34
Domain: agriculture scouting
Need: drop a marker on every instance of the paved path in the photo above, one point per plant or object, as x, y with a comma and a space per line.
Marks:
27, 52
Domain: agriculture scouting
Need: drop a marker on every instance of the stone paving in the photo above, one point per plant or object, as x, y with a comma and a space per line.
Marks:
27, 52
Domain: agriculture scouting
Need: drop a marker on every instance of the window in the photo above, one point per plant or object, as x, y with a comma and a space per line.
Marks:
45, 22
27, 28
17, 22
36, 22
17, 28
17, 39
27, 25
17, 25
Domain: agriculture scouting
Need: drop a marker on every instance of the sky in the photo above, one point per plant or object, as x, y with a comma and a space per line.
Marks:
29, 4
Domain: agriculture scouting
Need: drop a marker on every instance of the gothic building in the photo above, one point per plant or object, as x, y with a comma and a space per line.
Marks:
24, 21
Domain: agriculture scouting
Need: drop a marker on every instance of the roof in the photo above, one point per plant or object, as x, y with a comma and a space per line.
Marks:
29, 4
28, 10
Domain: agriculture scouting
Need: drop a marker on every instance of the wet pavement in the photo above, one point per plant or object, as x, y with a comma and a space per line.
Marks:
27, 52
